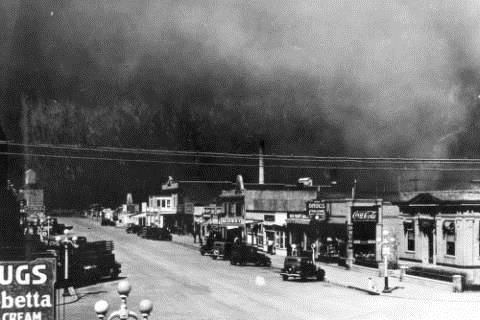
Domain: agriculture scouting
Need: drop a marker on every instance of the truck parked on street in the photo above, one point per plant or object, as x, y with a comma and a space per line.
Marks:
88, 262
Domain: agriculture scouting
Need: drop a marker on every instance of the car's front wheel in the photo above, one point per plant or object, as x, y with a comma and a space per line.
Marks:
284, 277
113, 273
320, 275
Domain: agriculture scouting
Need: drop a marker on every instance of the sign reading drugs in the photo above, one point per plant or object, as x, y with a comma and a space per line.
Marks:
27, 289
316, 208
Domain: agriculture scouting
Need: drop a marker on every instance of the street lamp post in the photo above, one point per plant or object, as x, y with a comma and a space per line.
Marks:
48, 230
386, 242
123, 289
66, 242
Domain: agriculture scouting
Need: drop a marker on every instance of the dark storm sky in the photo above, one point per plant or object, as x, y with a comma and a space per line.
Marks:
392, 78
387, 72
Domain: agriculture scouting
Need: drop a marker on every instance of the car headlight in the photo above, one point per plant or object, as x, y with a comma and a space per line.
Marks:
89, 267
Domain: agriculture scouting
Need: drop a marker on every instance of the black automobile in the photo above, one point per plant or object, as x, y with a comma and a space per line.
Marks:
207, 249
156, 233
243, 254
133, 228
301, 267
221, 249
107, 222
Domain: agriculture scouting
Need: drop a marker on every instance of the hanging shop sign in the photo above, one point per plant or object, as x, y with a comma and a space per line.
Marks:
188, 208
364, 214
27, 289
316, 208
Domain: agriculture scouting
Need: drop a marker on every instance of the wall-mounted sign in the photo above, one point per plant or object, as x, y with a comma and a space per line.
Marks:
27, 289
316, 208
188, 208
269, 217
365, 214
232, 220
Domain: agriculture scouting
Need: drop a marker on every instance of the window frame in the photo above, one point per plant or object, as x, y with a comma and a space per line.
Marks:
410, 242
450, 240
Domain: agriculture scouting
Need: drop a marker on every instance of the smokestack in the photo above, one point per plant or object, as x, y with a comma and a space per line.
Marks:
261, 174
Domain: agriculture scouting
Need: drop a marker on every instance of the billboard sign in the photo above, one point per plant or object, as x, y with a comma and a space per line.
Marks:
27, 289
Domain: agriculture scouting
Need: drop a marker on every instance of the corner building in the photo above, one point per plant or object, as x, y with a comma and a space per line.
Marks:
441, 230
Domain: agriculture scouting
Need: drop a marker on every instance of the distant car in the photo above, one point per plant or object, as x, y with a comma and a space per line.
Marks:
108, 222
221, 249
243, 254
156, 233
301, 267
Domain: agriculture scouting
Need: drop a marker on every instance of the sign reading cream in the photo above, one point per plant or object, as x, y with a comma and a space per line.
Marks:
27, 289
364, 214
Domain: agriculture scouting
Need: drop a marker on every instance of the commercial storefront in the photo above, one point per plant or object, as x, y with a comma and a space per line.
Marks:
441, 230
350, 229
264, 208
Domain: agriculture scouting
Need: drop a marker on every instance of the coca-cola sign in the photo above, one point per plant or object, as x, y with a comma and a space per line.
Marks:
366, 214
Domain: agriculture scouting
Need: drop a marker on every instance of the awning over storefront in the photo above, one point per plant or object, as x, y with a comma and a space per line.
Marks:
426, 225
324, 229
297, 221
274, 227
449, 227
407, 225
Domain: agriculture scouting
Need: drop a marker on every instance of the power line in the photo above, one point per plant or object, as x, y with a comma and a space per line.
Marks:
213, 164
203, 154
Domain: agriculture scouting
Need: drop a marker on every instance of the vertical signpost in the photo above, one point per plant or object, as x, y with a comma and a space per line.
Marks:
27, 289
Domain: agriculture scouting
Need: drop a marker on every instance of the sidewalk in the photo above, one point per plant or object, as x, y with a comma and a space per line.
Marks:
368, 280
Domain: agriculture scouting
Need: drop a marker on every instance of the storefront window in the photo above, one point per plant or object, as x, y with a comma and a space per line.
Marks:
410, 240
238, 210
280, 240
260, 239
450, 244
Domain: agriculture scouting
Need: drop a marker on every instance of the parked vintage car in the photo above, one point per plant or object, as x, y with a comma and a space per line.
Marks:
207, 249
133, 228
243, 254
301, 267
107, 222
156, 233
221, 249
55, 227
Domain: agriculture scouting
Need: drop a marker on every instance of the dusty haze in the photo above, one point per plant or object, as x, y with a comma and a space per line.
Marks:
355, 78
